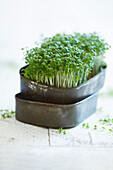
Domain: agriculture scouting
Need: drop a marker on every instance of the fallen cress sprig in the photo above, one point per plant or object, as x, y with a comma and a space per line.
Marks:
103, 122
7, 114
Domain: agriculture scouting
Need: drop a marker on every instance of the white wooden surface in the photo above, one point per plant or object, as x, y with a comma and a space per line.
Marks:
15, 132
81, 136
22, 157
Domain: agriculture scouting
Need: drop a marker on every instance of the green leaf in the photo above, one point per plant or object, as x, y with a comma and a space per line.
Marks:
87, 126
95, 127
110, 130
7, 114
60, 130
64, 132
83, 124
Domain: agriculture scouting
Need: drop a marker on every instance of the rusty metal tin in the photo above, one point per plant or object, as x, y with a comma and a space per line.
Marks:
54, 115
48, 94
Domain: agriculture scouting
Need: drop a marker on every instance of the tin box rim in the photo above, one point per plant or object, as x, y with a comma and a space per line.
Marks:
19, 97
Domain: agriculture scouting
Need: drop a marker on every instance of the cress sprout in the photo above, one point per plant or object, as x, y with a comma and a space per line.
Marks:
66, 60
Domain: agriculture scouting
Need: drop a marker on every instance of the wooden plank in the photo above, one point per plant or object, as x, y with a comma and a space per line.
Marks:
14, 157
15, 132
81, 136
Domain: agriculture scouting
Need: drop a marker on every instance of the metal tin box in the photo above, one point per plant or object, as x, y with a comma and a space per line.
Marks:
48, 94
54, 115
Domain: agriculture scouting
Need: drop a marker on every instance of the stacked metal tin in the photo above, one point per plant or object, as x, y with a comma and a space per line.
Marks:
48, 106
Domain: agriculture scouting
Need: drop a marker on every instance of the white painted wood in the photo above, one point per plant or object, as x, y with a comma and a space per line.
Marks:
15, 132
19, 157
79, 136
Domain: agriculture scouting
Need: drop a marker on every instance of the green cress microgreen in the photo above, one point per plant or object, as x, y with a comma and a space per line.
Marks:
95, 127
13, 138
107, 121
60, 130
6, 113
64, 132
83, 124
87, 126
65, 60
